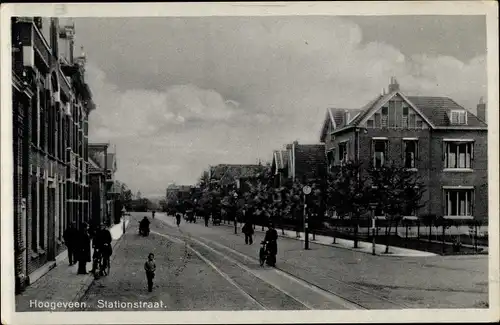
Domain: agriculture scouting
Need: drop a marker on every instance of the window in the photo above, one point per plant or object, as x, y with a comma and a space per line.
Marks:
41, 213
458, 117
385, 116
410, 152
419, 124
369, 123
379, 153
392, 114
411, 121
458, 154
377, 120
331, 159
34, 214
404, 121
35, 111
459, 202
343, 152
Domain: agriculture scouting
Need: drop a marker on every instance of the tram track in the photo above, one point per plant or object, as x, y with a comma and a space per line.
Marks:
292, 291
356, 298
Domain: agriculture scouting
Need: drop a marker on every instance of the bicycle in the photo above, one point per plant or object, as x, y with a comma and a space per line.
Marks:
105, 261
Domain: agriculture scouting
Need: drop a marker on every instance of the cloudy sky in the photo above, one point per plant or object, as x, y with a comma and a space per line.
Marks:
176, 95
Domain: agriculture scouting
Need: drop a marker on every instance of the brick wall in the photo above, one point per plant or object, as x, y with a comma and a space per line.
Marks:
477, 178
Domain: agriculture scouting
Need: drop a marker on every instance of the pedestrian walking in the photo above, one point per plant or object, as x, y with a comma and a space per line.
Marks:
84, 249
70, 237
248, 231
150, 268
178, 218
207, 217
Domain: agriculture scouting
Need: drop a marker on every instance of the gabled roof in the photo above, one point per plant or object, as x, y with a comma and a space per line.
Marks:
434, 110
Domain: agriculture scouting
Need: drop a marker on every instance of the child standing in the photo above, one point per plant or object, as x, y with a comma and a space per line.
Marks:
150, 268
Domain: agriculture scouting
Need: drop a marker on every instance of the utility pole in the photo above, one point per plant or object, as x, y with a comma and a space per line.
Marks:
307, 190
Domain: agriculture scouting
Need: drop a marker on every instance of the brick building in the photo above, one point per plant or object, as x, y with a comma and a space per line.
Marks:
303, 162
51, 103
103, 194
434, 136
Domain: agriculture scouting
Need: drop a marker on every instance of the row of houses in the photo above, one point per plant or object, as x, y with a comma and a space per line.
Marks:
441, 141
53, 164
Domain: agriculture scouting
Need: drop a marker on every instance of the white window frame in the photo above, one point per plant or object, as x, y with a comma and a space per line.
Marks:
345, 158
386, 143
469, 152
416, 153
448, 191
460, 114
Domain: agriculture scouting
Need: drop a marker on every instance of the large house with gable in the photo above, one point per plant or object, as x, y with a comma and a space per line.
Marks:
434, 136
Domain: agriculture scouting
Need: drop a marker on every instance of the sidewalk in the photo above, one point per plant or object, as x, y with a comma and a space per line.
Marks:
61, 284
364, 247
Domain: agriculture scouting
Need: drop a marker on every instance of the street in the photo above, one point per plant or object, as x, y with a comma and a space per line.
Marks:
210, 268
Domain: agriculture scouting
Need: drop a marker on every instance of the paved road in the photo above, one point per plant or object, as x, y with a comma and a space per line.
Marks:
211, 268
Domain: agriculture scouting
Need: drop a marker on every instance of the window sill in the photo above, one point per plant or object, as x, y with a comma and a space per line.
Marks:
459, 217
458, 170
412, 169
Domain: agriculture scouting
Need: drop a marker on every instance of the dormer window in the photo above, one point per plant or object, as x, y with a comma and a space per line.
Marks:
458, 117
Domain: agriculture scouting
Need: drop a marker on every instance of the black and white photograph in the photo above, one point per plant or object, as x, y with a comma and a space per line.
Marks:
238, 161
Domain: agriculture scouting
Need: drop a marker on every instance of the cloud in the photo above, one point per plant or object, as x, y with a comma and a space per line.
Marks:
230, 90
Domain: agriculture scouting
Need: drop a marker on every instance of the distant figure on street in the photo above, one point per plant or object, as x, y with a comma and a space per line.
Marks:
207, 217
150, 268
83, 251
248, 231
153, 214
70, 239
178, 218
271, 239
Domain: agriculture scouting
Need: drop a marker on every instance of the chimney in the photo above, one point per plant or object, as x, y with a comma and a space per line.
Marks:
393, 86
347, 117
481, 110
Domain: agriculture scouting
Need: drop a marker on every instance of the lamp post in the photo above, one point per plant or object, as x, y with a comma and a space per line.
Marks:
373, 206
235, 195
307, 190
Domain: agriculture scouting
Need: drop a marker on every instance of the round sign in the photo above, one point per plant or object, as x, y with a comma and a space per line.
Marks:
306, 189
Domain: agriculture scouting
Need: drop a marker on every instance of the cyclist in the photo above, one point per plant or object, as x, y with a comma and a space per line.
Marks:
103, 245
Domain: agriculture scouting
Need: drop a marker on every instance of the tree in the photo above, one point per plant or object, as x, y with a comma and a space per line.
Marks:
398, 191
348, 192
125, 194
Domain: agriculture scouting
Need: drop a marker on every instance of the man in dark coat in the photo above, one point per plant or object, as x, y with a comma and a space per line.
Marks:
248, 231
271, 238
84, 249
102, 243
70, 237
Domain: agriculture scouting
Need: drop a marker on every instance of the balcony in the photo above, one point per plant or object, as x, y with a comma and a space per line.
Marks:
35, 47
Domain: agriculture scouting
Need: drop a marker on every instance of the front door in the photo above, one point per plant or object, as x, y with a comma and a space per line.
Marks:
51, 218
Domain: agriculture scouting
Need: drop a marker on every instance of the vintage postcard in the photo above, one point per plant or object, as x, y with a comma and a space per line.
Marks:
250, 162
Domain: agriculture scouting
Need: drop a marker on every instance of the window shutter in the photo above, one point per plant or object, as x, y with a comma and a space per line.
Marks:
372, 151
472, 151
417, 155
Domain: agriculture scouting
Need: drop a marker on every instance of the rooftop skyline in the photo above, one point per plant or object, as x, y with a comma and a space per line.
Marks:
230, 90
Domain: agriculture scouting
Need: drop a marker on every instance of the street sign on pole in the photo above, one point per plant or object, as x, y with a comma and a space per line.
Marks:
307, 190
